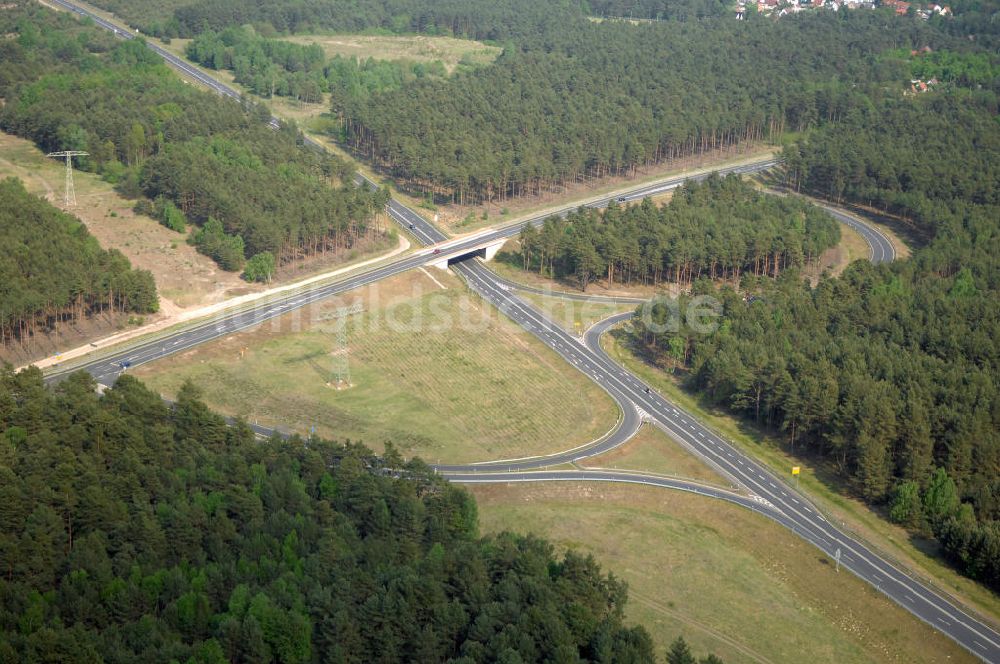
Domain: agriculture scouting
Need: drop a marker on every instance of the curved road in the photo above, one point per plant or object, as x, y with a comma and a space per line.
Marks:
767, 493
625, 477
566, 295
784, 504
880, 249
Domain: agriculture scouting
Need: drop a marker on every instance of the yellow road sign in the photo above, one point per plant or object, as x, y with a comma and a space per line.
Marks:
795, 470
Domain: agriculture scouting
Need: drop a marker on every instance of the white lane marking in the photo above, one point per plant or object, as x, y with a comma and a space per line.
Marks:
821, 518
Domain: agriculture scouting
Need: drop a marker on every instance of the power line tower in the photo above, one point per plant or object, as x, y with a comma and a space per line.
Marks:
69, 198
340, 374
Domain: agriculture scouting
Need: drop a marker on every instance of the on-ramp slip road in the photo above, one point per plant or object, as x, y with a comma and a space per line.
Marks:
880, 249
767, 493
782, 502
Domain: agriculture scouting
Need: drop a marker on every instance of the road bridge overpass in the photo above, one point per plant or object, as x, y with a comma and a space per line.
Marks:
447, 253
784, 501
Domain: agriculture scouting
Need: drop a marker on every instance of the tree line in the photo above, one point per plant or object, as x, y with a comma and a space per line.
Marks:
660, 10
718, 229
538, 118
267, 67
274, 67
875, 157
891, 372
53, 271
969, 69
155, 136
586, 100
132, 530
475, 19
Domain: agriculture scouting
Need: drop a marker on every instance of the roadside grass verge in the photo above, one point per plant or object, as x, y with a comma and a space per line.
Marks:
574, 315
653, 451
579, 193
729, 580
902, 234
819, 482
508, 264
434, 371
833, 261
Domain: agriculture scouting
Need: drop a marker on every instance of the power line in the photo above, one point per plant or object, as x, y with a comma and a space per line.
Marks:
69, 198
340, 376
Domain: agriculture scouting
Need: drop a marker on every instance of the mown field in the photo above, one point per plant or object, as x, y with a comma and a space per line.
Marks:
820, 484
448, 51
728, 580
574, 315
432, 371
653, 451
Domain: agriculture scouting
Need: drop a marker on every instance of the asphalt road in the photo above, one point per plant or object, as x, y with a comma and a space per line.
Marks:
566, 295
108, 367
775, 498
625, 477
637, 194
767, 493
880, 249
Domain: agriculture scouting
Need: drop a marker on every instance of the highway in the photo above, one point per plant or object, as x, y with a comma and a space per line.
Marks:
107, 368
566, 295
782, 502
430, 234
765, 492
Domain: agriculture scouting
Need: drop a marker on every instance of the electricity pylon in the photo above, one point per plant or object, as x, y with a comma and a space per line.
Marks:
340, 375
69, 198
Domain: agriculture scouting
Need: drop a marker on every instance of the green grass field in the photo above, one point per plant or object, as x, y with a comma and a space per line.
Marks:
820, 484
728, 580
456, 383
574, 315
449, 51
651, 450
